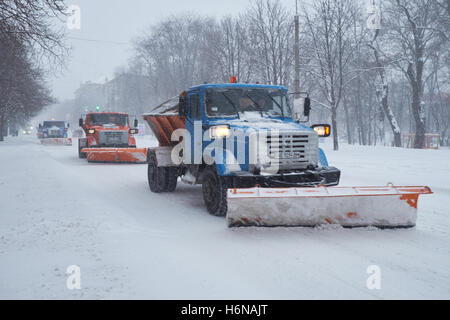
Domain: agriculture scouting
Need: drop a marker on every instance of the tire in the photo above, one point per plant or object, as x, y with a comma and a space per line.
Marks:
214, 189
157, 178
81, 155
172, 179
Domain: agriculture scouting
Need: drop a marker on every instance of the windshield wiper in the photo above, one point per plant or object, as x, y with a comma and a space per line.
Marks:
232, 103
279, 106
257, 105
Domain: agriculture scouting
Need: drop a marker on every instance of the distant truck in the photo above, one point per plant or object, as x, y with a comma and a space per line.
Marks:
54, 133
109, 139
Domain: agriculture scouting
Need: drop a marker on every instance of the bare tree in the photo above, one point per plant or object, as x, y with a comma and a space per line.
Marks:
22, 87
414, 36
229, 47
331, 46
439, 100
31, 22
26, 36
173, 52
383, 91
271, 29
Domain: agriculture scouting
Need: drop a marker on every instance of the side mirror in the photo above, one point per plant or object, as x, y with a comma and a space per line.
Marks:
183, 106
301, 109
307, 107
80, 122
323, 130
40, 126
68, 125
136, 123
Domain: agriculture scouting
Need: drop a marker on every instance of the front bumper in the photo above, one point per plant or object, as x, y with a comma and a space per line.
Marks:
108, 146
326, 176
56, 141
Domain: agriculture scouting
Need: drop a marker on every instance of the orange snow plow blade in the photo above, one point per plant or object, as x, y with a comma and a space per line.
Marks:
116, 155
57, 141
383, 207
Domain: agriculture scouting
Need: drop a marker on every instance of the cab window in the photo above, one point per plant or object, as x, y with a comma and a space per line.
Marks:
194, 106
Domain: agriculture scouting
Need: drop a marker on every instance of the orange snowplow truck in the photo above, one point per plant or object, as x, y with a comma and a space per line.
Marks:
109, 139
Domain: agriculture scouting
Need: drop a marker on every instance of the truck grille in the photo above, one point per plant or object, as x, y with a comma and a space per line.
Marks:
113, 137
55, 133
293, 150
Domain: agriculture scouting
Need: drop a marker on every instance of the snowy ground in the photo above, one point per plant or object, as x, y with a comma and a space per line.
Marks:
57, 211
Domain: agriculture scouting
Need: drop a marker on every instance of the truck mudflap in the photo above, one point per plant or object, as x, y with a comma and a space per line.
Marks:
382, 207
116, 155
56, 141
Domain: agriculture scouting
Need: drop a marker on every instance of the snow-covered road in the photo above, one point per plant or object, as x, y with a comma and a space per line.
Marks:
57, 210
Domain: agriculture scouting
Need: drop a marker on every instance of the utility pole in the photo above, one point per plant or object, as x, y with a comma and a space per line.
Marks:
297, 50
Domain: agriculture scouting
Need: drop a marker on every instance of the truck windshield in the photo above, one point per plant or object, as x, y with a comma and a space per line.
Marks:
232, 102
108, 119
49, 124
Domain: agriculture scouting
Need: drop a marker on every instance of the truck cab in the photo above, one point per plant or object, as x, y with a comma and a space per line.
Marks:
53, 129
106, 130
235, 136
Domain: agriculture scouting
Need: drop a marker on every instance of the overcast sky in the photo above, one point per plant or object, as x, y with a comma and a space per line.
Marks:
120, 21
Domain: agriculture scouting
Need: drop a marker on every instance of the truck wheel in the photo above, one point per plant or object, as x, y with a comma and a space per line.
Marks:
172, 179
214, 189
81, 155
157, 178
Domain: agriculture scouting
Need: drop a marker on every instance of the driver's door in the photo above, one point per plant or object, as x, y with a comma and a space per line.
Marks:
194, 126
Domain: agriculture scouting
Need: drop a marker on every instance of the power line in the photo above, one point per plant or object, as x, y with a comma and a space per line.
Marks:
99, 41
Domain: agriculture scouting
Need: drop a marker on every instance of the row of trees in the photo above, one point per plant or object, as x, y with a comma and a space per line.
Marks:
26, 40
372, 84
186, 49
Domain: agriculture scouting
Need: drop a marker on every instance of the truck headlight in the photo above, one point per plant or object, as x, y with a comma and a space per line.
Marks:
323, 130
91, 131
219, 132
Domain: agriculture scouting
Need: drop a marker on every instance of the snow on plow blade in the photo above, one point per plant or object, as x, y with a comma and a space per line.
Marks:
116, 155
57, 141
383, 207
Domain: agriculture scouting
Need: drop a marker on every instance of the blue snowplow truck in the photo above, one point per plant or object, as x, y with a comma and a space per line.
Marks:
258, 163
54, 133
